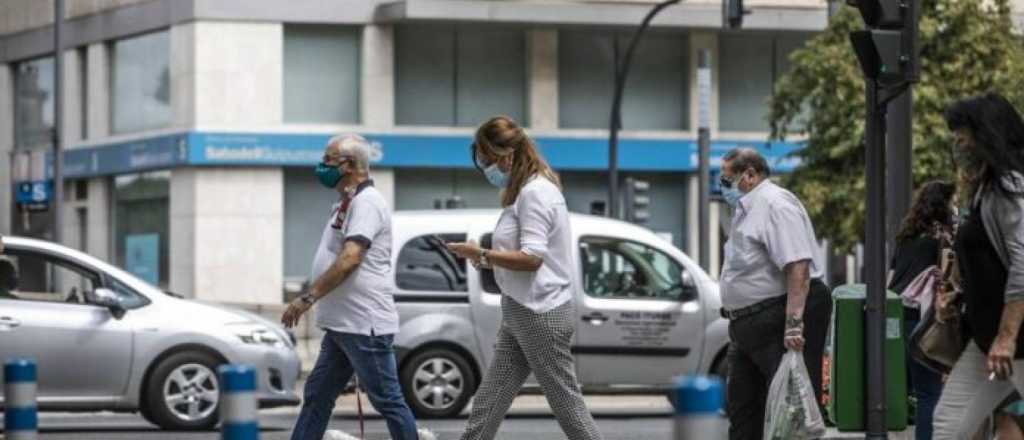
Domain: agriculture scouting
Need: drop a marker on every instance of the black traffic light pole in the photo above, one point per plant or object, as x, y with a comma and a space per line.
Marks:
887, 52
621, 73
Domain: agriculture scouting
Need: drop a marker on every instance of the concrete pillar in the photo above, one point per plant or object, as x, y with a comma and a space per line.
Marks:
227, 234
377, 85
233, 78
693, 216
72, 98
98, 91
6, 145
542, 77
98, 208
384, 181
698, 41
716, 214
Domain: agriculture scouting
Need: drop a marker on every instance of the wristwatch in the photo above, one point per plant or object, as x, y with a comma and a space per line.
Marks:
794, 322
308, 298
484, 262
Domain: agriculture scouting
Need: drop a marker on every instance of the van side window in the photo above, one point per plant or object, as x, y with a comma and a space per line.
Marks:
425, 264
615, 268
487, 281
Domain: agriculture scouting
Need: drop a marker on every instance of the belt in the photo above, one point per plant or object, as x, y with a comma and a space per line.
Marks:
763, 305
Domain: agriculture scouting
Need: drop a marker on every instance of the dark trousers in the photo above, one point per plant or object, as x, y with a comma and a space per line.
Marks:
925, 385
755, 351
372, 360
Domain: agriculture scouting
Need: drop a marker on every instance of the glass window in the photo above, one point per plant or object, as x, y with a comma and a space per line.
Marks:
140, 83
453, 76
44, 278
142, 225
33, 110
614, 268
321, 73
656, 96
749, 66
425, 264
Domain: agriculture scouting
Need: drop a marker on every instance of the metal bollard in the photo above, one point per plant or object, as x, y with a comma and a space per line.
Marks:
20, 419
698, 400
239, 420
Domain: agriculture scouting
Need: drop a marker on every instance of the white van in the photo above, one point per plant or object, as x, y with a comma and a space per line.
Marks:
647, 312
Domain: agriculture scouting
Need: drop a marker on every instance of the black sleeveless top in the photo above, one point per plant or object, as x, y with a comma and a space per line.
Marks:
983, 278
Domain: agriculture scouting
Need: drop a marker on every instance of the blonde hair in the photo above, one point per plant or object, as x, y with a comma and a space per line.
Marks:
501, 136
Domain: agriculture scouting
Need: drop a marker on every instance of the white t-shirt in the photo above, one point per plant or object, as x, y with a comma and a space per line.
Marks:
537, 224
364, 303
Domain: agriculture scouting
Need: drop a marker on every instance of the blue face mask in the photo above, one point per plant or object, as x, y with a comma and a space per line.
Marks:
732, 196
327, 175
497, 177
731, 192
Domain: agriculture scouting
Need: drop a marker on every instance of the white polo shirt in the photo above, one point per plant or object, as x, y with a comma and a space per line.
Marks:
364, 303
770, 229
537, 224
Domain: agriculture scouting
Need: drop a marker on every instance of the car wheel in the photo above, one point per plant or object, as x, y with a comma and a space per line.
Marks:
183, 392
438, 383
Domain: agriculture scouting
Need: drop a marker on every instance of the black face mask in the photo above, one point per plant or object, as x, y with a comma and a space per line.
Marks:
966, 160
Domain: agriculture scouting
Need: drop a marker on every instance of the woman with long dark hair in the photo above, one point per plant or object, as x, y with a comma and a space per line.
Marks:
988, 135
533, 265
926, 230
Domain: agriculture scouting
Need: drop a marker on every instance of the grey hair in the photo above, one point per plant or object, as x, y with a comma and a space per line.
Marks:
743, 158
354, 146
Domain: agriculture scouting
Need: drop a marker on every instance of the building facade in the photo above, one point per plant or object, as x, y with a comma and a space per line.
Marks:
192, 126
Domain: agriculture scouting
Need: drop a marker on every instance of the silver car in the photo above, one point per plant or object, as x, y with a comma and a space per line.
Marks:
645, 311
104, 340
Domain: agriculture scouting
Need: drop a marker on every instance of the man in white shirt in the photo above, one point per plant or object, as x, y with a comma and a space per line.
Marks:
771, 289
353, 296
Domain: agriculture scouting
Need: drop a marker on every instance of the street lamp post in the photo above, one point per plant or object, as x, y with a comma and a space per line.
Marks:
57, 204
621, 73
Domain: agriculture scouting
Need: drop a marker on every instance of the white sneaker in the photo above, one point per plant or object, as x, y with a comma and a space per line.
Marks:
424, 433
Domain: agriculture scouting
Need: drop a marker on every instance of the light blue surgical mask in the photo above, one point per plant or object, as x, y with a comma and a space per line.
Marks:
497, 177
732, 195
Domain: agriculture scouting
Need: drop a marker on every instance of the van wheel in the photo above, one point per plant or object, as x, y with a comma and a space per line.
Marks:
183, 393
437, 383
720, 369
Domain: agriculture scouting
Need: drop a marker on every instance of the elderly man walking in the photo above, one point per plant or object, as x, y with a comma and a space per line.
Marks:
353, 296
771, 288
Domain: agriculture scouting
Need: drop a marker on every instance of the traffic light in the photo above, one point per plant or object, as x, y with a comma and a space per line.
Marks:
637, 201
732, 13
886, 49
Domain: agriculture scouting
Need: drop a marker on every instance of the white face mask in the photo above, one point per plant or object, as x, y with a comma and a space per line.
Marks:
496, 176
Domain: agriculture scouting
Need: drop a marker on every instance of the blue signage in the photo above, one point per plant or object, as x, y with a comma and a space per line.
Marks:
396, 151
36, 192
142, 256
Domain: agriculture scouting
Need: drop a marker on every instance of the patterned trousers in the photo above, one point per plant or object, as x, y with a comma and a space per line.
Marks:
538, 343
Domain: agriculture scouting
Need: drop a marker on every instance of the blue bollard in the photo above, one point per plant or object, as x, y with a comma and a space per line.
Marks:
698, 400
239, 420
20, 419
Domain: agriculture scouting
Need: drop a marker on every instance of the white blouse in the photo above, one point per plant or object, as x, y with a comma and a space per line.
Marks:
537, 224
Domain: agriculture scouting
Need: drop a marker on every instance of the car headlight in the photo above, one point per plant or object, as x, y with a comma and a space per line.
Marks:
259, 336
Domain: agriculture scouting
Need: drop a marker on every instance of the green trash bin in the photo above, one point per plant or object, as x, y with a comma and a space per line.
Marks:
847, 372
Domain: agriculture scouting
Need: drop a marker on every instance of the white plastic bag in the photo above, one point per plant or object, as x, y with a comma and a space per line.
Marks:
792, 411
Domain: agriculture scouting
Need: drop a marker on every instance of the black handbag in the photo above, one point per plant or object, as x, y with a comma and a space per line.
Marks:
938, 344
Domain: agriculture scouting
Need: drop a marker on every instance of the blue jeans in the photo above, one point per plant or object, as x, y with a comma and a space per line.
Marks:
926, 386
372, 360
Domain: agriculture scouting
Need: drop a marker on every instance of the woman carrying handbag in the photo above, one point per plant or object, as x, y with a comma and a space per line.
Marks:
915, 272
989, 149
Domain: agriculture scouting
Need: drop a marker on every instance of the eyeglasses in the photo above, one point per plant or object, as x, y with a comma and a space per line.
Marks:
726, 183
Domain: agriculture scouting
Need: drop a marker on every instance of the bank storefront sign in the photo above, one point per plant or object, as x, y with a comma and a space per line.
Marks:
196, 148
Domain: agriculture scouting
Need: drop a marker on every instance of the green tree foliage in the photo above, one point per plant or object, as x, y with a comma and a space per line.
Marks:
968, 47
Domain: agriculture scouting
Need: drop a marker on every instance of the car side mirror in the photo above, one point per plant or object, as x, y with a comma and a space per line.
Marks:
689, 287
104, 297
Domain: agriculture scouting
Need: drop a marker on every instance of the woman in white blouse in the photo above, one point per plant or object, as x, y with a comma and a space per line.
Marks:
532, 262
